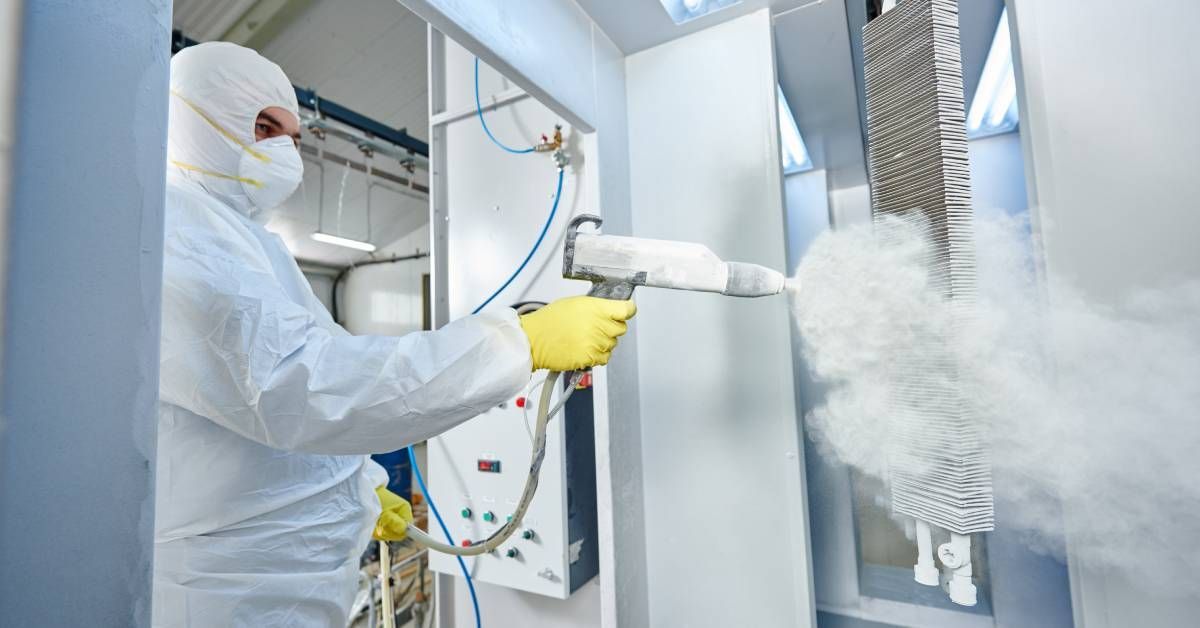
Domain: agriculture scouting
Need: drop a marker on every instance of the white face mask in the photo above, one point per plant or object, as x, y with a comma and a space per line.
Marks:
270, 171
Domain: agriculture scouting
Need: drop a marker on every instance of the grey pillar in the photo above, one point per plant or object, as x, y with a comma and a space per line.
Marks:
83, 279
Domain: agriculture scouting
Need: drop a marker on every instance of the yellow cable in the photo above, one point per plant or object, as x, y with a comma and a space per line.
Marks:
212, 173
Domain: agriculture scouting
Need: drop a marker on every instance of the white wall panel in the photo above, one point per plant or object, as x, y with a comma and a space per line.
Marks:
83, 277
619, 470
1107, 100
386, 299
998, 175
1107, 112
807, 200
720, 441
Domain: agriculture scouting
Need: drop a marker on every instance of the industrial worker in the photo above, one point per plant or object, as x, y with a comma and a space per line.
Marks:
265, 495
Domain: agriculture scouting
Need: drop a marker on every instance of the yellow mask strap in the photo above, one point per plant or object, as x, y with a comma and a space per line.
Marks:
179, 164
256, 154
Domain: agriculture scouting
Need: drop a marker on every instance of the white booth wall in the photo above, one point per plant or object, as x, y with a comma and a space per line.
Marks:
387, 299
721, 447
1107, 101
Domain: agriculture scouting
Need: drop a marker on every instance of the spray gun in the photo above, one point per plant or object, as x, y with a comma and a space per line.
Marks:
617, 264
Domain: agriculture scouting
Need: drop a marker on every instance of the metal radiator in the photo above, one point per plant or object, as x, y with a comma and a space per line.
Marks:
939, 473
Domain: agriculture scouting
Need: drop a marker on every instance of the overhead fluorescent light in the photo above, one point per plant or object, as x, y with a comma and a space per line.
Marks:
994, 108
346, 242
791, 146
686, 10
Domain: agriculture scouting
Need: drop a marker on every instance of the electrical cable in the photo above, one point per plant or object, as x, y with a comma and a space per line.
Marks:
527, 395
479, 112
475, 548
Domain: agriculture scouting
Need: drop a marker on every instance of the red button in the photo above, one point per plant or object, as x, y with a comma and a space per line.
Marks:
466, 543
520, 402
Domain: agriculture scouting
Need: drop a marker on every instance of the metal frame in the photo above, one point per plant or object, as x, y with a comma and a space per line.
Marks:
309, 99
439, 218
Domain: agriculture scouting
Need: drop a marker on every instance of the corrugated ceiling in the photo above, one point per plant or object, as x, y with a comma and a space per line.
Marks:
206, 20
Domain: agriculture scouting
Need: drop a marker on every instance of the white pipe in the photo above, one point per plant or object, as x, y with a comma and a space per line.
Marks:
360, 140
385, 581
956, 557
925, 571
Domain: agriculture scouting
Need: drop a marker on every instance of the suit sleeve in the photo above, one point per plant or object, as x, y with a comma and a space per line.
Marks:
237, 350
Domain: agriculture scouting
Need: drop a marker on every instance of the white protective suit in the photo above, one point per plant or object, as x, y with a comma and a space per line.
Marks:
265, 497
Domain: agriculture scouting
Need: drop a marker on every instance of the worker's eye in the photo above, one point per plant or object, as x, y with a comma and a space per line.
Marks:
262, 128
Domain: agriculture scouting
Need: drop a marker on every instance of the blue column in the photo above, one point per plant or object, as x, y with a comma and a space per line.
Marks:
80, 369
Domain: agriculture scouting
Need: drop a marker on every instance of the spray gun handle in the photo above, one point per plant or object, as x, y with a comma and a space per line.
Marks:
602, 287
615, 290
569, 246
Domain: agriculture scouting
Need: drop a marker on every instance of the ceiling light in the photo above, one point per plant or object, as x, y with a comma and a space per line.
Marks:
994, 108
793, 151
684, 10
346, 242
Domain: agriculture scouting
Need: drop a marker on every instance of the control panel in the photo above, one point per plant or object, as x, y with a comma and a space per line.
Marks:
477, 472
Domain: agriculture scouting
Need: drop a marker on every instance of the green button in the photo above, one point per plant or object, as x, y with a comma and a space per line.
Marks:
511, 553
489, 517
509, 518
466, 513
527, 534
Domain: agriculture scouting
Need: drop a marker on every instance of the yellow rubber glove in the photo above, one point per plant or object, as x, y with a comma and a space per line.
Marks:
575, 333
392, 524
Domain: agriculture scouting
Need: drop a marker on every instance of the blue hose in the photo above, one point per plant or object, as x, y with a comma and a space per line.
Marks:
462, 564
536, 245
479, 112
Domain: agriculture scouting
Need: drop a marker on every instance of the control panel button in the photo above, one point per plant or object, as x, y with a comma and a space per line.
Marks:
465, 512
488, 466
521, 402
489, 516
466, 543
512, 552
527, 534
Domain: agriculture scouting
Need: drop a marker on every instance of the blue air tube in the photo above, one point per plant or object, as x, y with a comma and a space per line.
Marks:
479, 112
536, 245
412, 455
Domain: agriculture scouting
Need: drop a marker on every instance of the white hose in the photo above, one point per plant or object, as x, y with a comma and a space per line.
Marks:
385, 581
545, 413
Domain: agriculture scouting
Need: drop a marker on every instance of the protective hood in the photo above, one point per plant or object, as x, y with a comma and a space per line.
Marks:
217, 91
